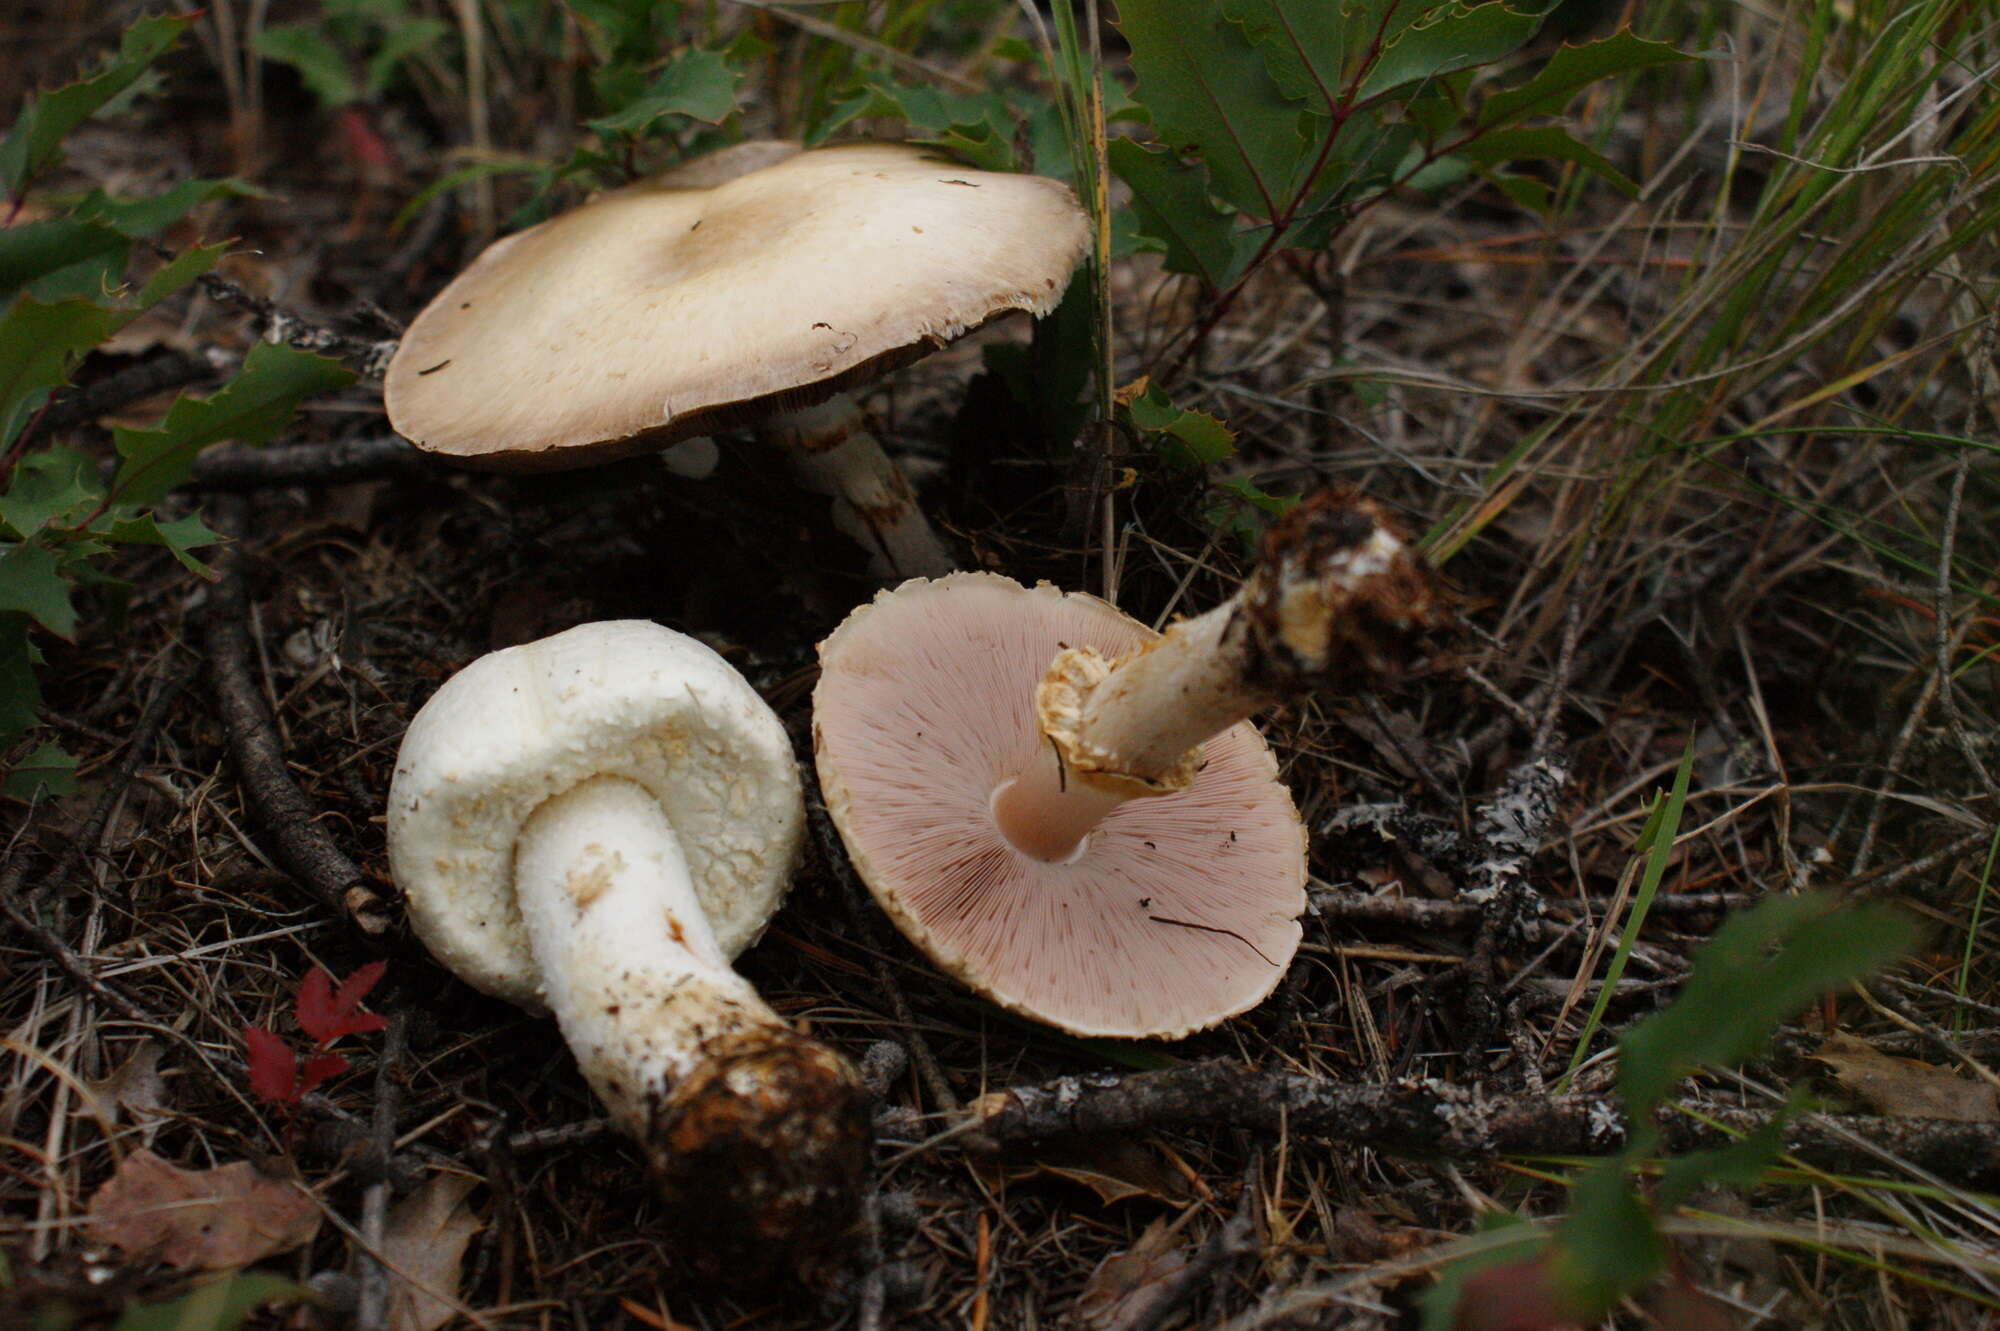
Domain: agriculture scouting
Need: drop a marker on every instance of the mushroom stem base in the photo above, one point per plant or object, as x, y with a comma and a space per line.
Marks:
833, 453
710, 1081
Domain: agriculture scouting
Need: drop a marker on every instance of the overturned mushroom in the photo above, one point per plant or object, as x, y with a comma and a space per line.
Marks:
738, 288
596, 824
1070, 813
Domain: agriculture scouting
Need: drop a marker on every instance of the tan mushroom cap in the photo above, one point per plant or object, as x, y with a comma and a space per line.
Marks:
660, 312
1179, 911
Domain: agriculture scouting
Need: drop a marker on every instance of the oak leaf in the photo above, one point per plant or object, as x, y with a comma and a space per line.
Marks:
1906, 1087
201, 1219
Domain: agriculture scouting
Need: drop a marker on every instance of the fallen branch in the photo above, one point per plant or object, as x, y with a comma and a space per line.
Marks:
303, 847
1430, 1117
235, 467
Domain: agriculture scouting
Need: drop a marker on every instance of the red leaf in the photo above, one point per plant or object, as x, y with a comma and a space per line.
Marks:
317, 1069
347, 1001
326, 1014
274, 1072
1515, 1296
316, 1014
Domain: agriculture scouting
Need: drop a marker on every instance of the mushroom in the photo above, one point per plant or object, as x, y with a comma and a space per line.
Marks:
1070, 813
738, 288
596, 824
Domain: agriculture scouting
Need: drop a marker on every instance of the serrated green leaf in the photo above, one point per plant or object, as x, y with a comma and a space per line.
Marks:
1545, 141
146, 217
36, 136
319, 63
38, 345
1572, 69
219, 1305
184, 268
1759, 968
48, 772
405, 38
1304, 43
1208, 89
700, 85
250, 408
1452, 38
178, 536
1607, 1246
32, 584
1174, 210
59, 258
51, 486
1188, 440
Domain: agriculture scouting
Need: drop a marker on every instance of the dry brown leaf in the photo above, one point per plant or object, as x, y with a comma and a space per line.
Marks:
1127, 1286
1905, 1087
136, 1087
202, 1219
423, 1245
1117, 1169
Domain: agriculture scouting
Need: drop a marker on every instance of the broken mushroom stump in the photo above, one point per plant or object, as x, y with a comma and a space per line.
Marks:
1071, 814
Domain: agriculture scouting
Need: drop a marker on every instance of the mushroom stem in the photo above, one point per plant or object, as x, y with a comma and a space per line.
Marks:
834, 453
1337, 600
757, 1130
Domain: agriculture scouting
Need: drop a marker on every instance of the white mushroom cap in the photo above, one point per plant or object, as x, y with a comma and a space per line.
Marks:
661, 311
1176, 912
624, 698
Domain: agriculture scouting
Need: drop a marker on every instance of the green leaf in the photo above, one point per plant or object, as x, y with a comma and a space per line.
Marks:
1303, 43
37, 135
252, 407
1572, 69
1238, 510
1507, 145
219, 1305
1208, 88
1453, 38
1188, 439
49, 771
60, 258
1741, 1163
20, 693
1607, 1246
699, 84
32, 584
178, 536
146, 217
1760, 968
184, 268
50, 487
403, 40
1172, 204
321, 66
38, 345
